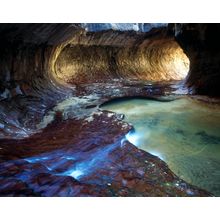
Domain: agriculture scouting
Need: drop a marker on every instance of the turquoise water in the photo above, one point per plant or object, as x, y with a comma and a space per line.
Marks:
184, 133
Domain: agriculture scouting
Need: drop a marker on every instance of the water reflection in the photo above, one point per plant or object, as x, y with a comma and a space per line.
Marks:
184, 133
133, 137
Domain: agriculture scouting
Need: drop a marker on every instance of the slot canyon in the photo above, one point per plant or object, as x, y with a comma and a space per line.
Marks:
109, 109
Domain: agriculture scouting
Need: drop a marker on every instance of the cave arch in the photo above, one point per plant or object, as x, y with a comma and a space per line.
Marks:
155, 60
45, 59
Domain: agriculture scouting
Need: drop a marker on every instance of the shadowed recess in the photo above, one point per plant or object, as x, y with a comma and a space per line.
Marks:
55, 140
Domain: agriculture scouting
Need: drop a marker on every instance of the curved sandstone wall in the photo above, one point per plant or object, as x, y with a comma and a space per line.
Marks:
201, 44
154, 60
27, 55
41, 59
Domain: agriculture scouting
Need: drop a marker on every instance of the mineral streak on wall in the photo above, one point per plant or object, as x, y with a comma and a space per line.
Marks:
40, 59
43, 108
27, 56
92, 61
42, 64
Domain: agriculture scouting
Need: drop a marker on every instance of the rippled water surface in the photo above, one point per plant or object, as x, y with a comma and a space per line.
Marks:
184, 133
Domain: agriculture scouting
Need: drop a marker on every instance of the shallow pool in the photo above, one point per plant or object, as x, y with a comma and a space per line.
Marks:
184, 133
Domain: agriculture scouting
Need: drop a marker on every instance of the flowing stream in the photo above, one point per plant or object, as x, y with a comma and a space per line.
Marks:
184, 133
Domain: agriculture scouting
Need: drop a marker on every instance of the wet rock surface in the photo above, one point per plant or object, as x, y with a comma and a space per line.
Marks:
86, 153
54, 138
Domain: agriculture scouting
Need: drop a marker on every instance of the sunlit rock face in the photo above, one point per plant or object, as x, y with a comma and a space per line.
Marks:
49, 102
34, 58
201, 44
107, 55
39, 59
27, 85
27, 55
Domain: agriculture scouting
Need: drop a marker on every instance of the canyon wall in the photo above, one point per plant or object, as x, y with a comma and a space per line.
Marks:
109, 55
201, 44
44, 59
27, 55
